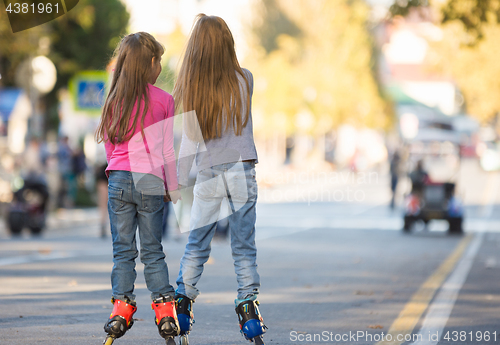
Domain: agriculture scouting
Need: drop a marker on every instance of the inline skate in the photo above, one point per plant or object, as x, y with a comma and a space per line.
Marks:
120, 320
251, 323
166, 318
186, 317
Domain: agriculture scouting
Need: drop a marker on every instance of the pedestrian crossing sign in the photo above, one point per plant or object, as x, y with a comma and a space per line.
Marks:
88, 89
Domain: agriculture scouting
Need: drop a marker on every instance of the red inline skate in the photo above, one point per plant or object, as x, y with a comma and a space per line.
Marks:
120, 320
166, 318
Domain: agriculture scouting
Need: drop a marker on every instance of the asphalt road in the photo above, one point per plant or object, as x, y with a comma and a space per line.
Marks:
332, 272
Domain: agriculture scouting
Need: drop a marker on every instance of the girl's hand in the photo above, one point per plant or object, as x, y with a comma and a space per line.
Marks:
173, 195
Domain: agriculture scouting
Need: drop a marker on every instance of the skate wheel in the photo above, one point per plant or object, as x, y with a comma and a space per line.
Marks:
108, 341
184, 340
170, 341
258, 340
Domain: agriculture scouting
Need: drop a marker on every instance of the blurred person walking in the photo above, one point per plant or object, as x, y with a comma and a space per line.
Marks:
394, 171
419, 177
78, 163
65, 165
33, 157
137, 129
219, 133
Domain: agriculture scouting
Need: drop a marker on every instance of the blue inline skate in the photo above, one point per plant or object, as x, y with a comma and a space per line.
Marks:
185, 315
251, 323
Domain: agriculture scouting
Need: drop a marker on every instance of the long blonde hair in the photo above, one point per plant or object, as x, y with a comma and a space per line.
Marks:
129, 84
208, 81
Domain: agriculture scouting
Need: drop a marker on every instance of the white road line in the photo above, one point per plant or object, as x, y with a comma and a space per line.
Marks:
440, 309
16, 260
30, 258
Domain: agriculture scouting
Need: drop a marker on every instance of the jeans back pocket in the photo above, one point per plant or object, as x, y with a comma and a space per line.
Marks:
115, 198
206, 184
152, 198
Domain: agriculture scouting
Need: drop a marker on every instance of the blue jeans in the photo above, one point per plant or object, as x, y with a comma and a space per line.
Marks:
132, 204
237, 183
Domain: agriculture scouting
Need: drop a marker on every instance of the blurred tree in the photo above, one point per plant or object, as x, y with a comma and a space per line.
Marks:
473, 14
86, 37
15, 47
402, 7
174, 43
321, 75
339, 64
469, 50
272, 23
474, 68
83, 39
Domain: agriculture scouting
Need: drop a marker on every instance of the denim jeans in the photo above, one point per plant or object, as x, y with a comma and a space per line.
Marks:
236, 182
137, 200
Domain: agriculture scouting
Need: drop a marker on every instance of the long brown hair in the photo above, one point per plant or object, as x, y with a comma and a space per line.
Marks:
208, 81
129, 84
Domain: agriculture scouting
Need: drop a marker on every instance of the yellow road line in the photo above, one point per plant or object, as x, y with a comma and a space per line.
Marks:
413, 310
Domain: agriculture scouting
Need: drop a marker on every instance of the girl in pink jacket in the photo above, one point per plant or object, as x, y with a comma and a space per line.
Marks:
136, 127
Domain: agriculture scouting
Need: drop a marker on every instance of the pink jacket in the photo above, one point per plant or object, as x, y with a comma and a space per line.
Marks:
153, 154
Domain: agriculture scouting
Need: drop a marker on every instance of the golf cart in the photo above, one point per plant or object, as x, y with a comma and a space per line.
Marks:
435, 201
433, 194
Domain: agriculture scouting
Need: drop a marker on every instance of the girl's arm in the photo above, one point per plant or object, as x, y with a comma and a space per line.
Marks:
168, 148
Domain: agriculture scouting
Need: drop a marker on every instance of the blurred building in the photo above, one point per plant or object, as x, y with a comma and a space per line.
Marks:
404, 44
428, 105
15, 112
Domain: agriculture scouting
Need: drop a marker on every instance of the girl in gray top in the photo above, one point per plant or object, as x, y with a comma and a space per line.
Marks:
215, 94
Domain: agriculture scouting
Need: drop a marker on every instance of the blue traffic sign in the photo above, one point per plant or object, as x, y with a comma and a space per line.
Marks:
89, 90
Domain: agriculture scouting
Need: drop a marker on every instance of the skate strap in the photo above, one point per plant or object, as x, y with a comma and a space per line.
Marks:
164, 309
247, 310
184, 305
123, 309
